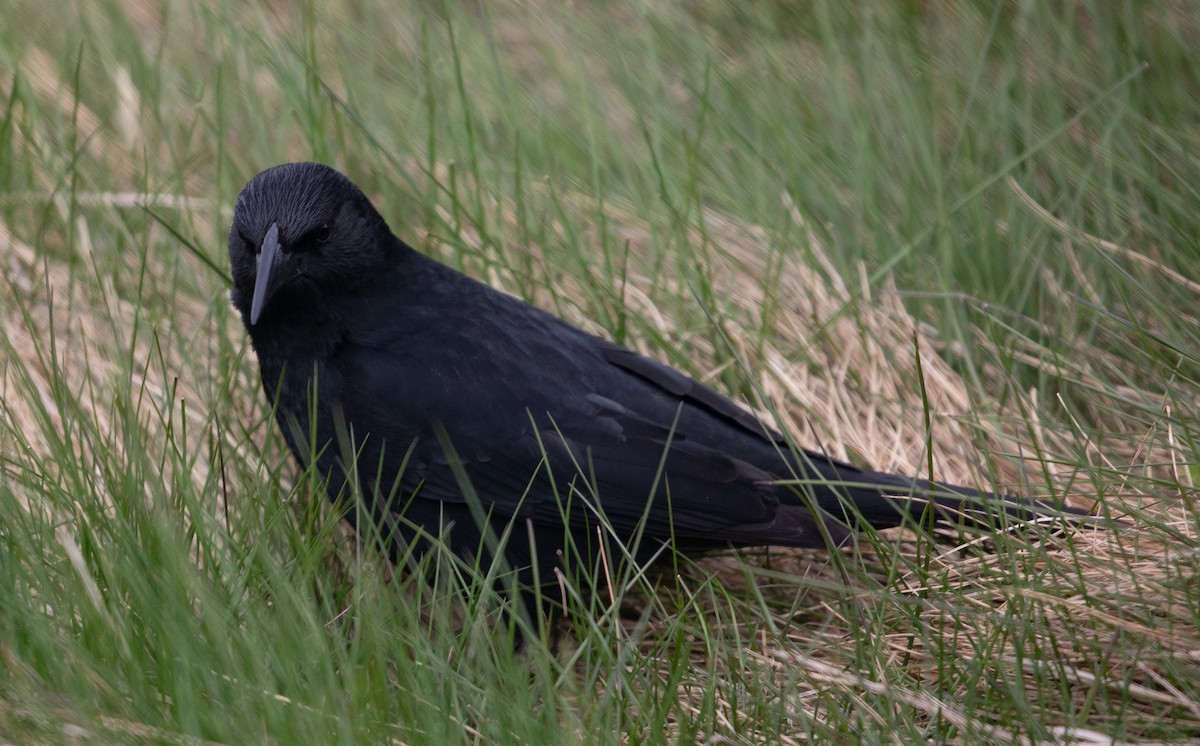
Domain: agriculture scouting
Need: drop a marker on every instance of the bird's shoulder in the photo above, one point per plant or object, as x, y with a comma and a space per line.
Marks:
428, 315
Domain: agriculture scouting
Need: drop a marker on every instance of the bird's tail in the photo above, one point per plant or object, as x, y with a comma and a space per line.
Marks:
850, 499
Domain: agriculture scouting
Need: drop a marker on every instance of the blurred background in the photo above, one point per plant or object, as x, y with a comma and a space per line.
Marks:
960, 237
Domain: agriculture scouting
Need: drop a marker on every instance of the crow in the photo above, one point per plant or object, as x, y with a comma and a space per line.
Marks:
458, 414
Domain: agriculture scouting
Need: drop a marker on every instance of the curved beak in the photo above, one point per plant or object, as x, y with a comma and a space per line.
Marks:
266, 277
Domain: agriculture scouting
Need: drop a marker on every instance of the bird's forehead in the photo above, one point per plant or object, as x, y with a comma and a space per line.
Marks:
292, 206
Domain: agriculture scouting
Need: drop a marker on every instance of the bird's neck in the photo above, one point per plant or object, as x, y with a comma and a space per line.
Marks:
310, 324
296, 334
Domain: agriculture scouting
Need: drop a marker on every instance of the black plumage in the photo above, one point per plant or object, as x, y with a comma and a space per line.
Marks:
550, 425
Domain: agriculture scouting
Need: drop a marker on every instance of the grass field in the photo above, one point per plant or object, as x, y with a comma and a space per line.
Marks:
951, 236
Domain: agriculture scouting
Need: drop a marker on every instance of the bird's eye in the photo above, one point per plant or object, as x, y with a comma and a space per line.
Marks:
251, 246
321, 234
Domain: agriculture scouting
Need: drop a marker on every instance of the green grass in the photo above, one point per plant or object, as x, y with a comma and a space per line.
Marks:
980, 216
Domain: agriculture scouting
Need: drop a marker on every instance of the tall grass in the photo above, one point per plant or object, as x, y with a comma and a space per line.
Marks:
948, 236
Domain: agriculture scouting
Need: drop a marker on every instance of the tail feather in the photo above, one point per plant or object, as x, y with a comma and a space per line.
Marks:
855, 498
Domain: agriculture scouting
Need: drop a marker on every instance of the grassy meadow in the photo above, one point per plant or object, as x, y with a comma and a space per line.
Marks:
957, 236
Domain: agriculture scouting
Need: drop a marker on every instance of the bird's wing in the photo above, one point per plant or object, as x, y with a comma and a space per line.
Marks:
552, 424
633, 470
598, 463
676, 384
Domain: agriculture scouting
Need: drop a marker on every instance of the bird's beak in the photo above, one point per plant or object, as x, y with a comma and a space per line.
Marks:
266, 281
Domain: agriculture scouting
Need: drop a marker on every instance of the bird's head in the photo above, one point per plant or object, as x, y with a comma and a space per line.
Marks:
301, 232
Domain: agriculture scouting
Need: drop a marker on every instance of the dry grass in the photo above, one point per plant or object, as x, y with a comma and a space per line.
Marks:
98, 368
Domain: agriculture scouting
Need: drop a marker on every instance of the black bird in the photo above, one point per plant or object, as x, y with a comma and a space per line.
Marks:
453, 405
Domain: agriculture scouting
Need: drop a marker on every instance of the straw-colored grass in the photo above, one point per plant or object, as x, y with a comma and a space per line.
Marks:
905, 251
